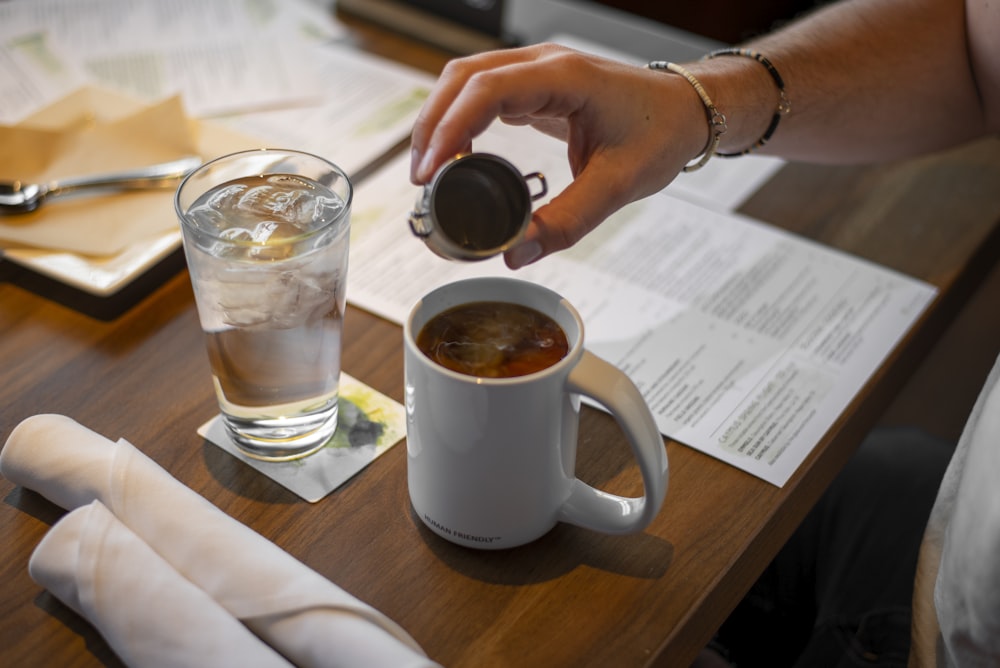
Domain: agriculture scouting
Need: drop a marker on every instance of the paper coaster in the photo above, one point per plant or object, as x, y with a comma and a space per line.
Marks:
369, 424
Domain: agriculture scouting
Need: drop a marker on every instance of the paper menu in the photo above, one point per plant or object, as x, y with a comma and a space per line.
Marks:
50, 53
223, 56
31, 77
746, 341
271, 70
759, 339
368, 107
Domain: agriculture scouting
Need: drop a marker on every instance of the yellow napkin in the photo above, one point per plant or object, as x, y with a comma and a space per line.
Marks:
94, 131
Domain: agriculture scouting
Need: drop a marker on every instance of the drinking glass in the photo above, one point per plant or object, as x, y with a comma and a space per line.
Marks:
266, 237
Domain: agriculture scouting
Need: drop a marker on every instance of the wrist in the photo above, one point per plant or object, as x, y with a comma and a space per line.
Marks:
715, 120
746, 92
680, 130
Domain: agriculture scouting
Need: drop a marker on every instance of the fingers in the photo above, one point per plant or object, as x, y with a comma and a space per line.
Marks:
473, 92
477, 111
452, 80
624, 128
593, 195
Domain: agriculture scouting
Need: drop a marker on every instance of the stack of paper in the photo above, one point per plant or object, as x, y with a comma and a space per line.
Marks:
274, 73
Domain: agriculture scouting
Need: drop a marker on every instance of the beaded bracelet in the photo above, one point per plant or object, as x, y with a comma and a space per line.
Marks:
784, 105
716, 120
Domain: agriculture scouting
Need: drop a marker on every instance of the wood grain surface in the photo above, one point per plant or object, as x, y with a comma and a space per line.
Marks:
573, 598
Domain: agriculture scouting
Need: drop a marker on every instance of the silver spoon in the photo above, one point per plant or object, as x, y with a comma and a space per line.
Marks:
19, 197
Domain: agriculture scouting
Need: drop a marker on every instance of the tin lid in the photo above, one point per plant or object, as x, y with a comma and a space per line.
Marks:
476, 206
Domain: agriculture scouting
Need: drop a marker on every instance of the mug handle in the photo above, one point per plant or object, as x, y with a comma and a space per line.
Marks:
591, 508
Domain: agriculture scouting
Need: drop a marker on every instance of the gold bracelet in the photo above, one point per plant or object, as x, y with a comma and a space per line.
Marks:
716, 119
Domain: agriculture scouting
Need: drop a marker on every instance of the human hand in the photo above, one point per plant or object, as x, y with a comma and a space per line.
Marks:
628, 130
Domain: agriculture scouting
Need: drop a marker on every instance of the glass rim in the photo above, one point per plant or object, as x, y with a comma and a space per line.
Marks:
186, 223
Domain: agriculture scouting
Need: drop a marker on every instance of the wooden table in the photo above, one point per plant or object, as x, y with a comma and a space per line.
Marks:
573, 598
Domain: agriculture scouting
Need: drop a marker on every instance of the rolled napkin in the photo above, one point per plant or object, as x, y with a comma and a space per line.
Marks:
92, 562
294, 609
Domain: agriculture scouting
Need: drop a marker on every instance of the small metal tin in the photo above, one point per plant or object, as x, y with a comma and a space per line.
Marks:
477, 205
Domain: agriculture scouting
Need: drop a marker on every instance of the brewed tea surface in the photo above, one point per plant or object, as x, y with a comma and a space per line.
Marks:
493, 340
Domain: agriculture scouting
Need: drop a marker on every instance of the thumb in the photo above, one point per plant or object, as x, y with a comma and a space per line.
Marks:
579, 208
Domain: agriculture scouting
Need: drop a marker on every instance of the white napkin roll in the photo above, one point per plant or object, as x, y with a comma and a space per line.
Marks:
147, 612
297, 611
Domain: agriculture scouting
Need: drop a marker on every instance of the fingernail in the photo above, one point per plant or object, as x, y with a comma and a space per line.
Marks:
523, 254
414, 164
425, 169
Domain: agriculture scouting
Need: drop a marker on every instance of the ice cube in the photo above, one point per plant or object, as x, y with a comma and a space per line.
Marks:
262, 232
276, 203
290, 301
242, 295
327, 208
226, 197
206, 218
237, 234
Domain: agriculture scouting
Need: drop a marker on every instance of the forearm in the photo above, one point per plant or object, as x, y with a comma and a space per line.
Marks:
867, 80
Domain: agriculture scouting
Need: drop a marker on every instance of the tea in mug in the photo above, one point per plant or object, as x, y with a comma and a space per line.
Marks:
493, 340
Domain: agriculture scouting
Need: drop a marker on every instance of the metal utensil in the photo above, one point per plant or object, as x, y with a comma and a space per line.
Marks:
476, 206
20, 197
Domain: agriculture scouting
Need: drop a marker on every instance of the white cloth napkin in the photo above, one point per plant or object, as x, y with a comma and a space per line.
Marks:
91, 562
294, 609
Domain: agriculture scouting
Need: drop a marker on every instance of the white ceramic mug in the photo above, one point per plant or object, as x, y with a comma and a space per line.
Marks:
491, 460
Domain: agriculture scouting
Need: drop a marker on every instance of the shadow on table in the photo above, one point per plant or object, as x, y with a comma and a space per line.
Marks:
95, 645
555, 554
242, 479
34, 504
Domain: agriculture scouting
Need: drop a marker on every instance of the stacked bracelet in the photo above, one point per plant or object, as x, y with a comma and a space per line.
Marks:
784, 106
716, 120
